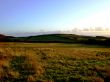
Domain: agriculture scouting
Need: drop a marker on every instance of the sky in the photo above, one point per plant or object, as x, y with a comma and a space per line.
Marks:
32, 16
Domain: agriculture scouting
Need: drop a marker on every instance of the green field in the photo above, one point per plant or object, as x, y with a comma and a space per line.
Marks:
54, 62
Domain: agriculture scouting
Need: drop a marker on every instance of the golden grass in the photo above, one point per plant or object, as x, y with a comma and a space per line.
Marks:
30, 62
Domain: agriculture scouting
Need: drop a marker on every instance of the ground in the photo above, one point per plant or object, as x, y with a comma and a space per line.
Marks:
54, 62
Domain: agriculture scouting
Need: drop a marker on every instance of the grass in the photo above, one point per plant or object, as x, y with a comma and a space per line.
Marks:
54, 62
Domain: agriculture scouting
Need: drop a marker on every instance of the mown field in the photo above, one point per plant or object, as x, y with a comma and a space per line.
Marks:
54, 62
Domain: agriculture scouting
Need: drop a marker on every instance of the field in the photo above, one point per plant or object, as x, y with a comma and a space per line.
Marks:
54, 62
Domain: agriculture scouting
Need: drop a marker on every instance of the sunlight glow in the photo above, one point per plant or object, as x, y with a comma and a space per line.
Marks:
99, 19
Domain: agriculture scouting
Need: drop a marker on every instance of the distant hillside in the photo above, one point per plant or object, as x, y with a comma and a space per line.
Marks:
46, 38
4, 38
58, 38
52, 38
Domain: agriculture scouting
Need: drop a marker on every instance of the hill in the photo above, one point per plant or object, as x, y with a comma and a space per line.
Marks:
4, 38
50, 38
66, 38
58, 38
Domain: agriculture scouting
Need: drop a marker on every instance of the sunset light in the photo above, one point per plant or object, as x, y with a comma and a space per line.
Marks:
33, 16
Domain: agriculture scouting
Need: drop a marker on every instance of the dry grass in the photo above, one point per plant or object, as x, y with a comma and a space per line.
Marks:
53, 63
18, 67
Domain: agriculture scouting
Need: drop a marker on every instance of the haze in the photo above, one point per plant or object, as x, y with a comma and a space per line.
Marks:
34, 16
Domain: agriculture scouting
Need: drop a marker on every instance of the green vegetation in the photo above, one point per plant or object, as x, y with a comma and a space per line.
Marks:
54, 62
59, 38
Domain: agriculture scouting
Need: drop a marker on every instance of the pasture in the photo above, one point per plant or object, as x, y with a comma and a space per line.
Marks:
53, 62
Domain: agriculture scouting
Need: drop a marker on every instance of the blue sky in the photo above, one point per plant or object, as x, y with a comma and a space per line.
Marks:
52, 15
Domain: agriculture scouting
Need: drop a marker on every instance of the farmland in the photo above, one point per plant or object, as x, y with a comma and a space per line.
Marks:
53, 62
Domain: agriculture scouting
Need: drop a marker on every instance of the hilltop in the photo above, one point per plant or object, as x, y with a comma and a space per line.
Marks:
5, 38
58, 38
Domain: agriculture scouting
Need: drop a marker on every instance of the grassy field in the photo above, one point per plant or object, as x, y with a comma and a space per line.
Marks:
54, 62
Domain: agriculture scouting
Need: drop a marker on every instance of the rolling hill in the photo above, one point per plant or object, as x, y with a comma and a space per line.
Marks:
58, 38
4, 38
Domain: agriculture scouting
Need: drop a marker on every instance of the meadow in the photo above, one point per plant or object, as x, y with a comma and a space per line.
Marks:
53, 62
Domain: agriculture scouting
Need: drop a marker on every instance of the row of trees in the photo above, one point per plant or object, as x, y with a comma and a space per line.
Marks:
93, 41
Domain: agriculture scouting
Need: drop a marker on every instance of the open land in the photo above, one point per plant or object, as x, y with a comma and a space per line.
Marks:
53, 62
